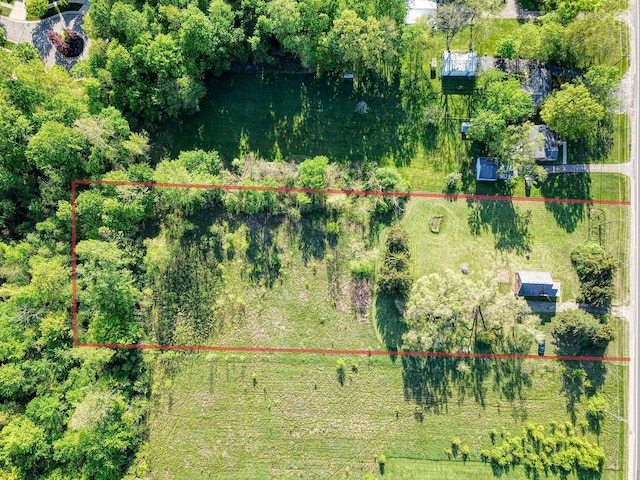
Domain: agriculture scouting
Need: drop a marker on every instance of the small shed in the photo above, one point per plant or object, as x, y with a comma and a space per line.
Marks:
464, 128
459, 64
489, 170
535, 284
419, 8
545, 143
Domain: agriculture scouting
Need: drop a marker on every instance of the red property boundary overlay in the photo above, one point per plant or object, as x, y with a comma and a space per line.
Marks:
310, 350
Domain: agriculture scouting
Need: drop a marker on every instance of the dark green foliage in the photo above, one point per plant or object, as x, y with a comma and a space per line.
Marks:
596, 269
341, 370
578, 332
394, 277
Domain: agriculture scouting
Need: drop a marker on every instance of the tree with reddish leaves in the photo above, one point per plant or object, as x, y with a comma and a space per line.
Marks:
69, 44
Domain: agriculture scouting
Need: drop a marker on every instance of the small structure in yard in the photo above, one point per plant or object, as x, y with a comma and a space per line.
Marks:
419, 8
464, 129
545, 143
489, 170
535, 284
459, 72
459, 64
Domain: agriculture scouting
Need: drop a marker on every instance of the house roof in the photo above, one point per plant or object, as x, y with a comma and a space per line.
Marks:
419, 8
459, 64
486, 169
536, 284
545, 143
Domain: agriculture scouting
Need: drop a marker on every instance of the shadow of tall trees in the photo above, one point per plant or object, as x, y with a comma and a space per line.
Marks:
564, 186
432, 382
510, 228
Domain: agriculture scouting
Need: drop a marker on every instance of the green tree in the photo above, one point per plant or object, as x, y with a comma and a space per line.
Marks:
23, 445
36, 8
571, 112
107, 291
504, 96
577, 332
453, 311
506, 47
453, 17
596, 269
394, 276
602, 82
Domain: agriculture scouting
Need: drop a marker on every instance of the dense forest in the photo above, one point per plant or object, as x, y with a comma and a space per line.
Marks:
68, 413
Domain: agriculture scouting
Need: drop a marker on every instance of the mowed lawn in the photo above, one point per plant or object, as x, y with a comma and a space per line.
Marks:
238, 416
495, 236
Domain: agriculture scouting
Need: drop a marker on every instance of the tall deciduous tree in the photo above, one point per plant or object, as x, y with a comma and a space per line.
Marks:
450, 311
571, 112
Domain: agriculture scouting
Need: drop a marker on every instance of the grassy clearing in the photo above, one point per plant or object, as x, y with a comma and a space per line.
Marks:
497, 235
5, 11
486, 34
213, 420
304, 115
228, 415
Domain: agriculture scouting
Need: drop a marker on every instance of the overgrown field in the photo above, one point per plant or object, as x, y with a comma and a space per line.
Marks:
234, 415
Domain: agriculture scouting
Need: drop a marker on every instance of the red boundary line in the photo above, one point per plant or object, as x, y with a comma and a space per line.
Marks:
309, 350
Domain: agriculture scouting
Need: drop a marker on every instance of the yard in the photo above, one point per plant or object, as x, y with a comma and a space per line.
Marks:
287, 416
276, 415
494, 236
265, 415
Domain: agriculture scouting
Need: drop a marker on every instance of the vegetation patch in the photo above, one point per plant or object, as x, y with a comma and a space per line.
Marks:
435, 223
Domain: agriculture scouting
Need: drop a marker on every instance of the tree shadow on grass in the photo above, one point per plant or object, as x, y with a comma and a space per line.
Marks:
567, 186
509, 227
389, 322
581, 377
596, 147
263, 255
313, 235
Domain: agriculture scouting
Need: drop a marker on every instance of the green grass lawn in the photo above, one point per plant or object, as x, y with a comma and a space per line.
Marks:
232, 415
5, 11
486, 34
304, 115
287, 416
496, 235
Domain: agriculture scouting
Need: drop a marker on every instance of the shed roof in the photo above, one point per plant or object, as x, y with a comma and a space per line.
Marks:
536, 284
459, 63
486, 169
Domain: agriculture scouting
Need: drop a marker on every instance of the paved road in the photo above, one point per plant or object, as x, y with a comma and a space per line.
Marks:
35, 32
623, 168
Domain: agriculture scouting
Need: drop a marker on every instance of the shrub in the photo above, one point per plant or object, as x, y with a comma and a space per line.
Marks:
382, 460
596, 269
333, 228
341, 370
36, 8
455, 446
362, 269
453, 181
464, 451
